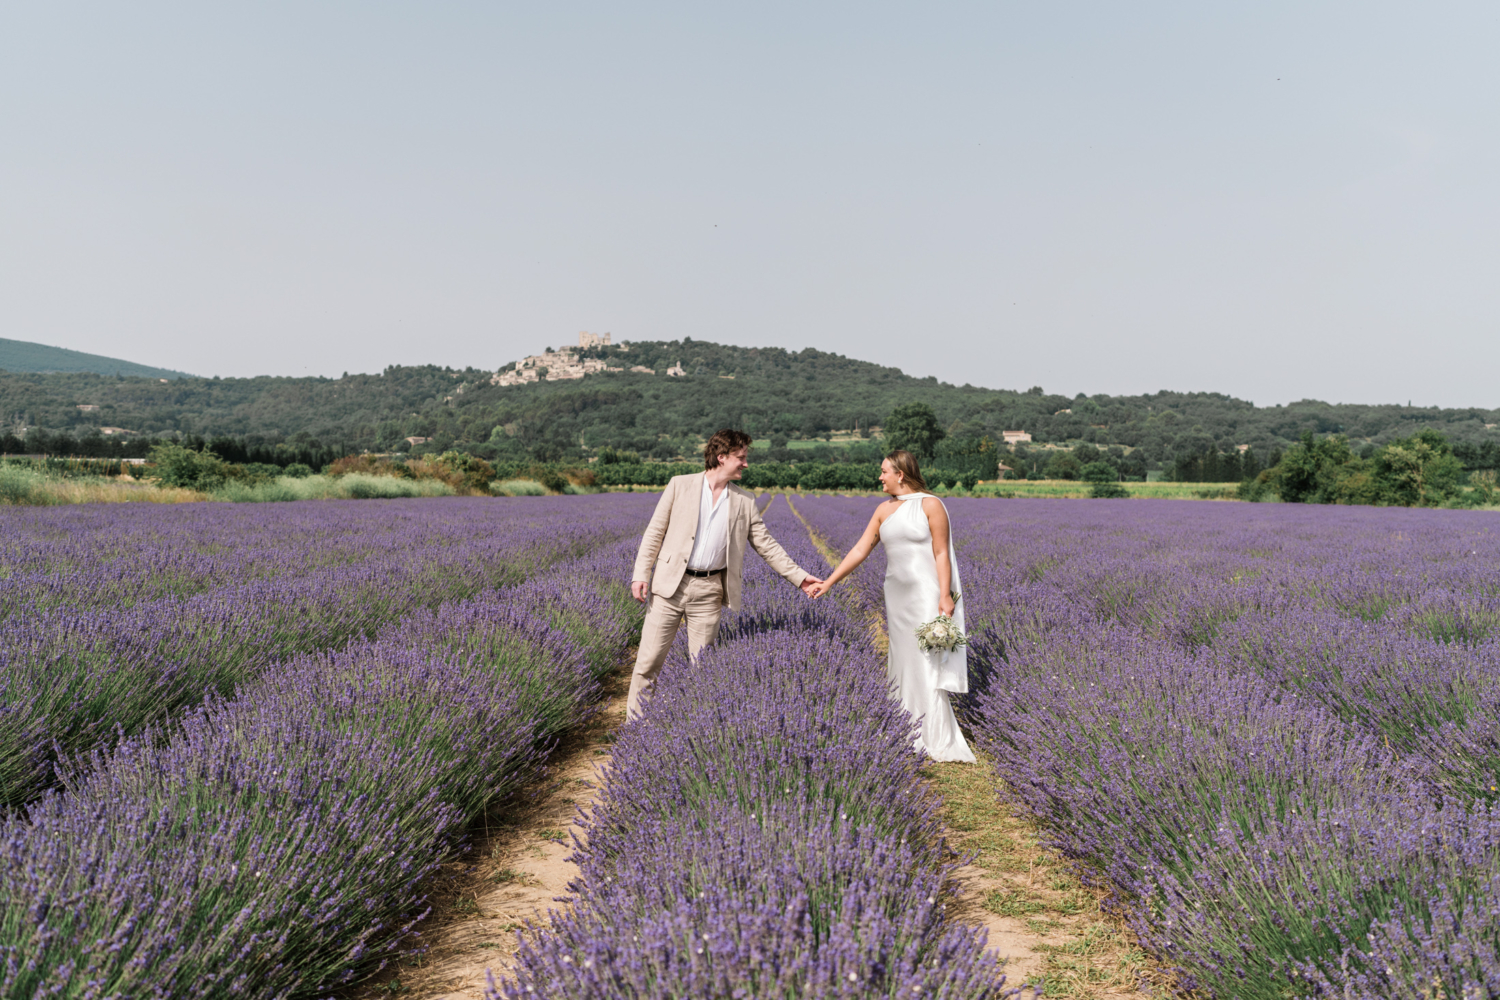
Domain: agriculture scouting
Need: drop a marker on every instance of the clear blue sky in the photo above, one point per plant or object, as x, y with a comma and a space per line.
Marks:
1274, 200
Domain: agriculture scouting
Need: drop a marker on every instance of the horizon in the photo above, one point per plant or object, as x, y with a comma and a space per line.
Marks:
1277, 203
1018, 391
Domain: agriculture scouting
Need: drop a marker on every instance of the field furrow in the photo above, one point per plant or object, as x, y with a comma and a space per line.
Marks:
765, 830
1240, 751
1273, 729
273, 844
181, 603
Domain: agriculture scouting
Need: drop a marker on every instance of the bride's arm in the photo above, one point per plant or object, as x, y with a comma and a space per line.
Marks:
937, 520
857, 555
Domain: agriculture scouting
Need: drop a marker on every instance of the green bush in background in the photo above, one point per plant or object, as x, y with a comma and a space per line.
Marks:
20, 484
1419, 471
194, 470
1104, 480
518, 488
353, 486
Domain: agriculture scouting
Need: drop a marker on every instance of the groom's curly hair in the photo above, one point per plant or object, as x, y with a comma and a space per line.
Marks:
724, 442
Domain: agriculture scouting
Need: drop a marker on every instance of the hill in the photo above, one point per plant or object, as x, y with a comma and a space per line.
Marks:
24, 356
799, 396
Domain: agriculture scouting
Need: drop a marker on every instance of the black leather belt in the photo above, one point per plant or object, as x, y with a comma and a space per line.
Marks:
703, 572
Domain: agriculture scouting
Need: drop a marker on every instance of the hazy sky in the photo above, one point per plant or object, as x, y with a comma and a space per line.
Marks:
1274, 200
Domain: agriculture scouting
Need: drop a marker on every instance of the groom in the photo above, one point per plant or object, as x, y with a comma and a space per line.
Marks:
696, 542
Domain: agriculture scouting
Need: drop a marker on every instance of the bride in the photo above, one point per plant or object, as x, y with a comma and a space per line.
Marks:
921, 581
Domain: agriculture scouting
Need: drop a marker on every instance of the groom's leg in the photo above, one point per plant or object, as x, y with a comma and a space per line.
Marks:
704, 605
663, 615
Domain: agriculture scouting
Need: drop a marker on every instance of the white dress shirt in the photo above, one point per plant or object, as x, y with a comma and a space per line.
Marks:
711, 543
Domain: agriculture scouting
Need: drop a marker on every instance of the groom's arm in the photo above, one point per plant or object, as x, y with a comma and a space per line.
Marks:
771, 551
645, 556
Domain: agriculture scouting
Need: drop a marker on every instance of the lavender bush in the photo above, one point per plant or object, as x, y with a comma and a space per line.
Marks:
117, 619
764, 832
272, 844
1272, 729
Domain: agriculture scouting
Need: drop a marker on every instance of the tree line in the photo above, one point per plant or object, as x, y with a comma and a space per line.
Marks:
1424, 469
774, 394
301, 449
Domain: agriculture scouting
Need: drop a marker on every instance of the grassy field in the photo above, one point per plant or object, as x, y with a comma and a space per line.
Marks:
22, 485
1053, 488
1064, 488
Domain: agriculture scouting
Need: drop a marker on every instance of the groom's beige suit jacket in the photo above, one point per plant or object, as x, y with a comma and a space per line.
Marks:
669, 540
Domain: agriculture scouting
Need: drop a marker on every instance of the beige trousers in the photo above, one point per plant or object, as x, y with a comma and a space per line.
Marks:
699, 600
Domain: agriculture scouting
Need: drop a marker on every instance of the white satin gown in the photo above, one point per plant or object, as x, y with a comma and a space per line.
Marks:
922, 681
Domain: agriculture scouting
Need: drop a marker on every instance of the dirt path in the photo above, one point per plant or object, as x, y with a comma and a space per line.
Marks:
1038, 915
512, 874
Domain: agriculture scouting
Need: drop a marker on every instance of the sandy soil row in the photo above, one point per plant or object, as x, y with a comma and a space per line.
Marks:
1037, 914
1039, 917
515, 871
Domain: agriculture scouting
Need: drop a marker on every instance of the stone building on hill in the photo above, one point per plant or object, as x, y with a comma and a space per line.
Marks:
553, 366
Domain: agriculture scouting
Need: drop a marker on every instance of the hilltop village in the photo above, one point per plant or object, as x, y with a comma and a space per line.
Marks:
554, 366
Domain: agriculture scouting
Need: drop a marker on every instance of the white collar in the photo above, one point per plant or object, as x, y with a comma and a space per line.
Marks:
713, 505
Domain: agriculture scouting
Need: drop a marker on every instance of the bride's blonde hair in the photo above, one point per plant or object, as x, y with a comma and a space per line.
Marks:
905, 463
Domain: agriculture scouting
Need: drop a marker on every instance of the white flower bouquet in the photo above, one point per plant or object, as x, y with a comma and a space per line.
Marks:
940, 635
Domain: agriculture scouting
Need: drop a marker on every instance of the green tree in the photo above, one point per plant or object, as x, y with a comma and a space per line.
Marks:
914, 428
1105, 480
1306, 468
195, 470
1419, 471
1099, 472
1063, 466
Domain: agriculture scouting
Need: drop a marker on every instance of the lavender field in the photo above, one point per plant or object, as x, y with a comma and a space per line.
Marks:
238, 738
1274, 730
764, 832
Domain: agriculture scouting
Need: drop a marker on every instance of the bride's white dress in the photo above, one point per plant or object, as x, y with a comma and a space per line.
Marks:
922, 681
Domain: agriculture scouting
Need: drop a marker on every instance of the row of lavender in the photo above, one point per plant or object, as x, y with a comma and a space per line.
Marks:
1276, 730
764, 832
113, 617
98, 555
272, 844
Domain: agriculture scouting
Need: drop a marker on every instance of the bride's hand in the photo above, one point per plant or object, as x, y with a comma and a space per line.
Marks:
946, 605
819, 589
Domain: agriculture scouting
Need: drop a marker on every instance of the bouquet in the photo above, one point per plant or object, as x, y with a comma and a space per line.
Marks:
940, 636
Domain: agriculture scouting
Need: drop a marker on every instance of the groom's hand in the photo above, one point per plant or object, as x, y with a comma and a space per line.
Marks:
807, 586
638, 590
